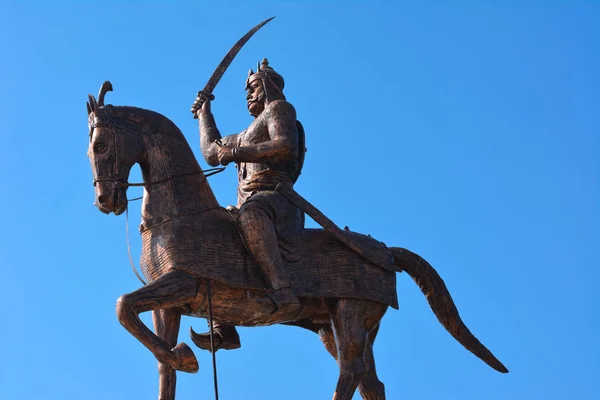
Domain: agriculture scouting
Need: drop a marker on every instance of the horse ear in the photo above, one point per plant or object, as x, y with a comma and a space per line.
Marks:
106, 87
92, 102
89, 108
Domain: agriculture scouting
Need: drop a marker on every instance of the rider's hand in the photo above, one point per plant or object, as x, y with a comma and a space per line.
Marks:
201, 104
205, 109
225, 155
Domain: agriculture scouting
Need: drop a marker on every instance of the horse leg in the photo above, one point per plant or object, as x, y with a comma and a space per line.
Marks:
170, 290
166, 324
328, 338
323, 330
352, 321
370, 387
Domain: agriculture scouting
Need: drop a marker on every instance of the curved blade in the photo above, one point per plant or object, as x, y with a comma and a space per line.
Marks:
216, 76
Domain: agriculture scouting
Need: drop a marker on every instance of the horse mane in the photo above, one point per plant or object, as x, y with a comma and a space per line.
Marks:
151, 121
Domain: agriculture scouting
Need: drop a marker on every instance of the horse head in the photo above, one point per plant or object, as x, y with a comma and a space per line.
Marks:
115, 145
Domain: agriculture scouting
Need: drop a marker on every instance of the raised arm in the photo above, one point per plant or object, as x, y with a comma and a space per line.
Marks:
209, 133
281, 122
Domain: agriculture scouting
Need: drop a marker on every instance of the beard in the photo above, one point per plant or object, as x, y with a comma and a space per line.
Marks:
256, 104
258, 98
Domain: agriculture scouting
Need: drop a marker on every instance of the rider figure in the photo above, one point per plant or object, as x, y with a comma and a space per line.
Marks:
270, 151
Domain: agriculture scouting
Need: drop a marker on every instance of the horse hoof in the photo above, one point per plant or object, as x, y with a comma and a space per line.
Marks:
186, 360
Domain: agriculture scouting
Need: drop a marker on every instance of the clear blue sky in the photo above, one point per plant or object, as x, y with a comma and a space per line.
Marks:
467, 133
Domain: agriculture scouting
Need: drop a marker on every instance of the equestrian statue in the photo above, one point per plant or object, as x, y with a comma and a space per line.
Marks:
254, 264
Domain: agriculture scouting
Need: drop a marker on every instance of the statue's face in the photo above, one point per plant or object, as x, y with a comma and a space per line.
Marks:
105, 162
256, 98
113, 149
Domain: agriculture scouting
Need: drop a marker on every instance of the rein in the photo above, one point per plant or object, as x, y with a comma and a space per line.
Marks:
206, 172
123, 183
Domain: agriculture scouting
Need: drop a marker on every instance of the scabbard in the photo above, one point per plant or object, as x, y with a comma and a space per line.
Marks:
374, 257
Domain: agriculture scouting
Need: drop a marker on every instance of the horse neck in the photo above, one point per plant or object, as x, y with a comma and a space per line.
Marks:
182, 187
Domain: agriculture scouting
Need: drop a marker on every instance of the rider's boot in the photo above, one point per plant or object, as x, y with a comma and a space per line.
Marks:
261, 241
225, 337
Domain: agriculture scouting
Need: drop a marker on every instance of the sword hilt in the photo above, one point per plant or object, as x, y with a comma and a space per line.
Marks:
201, 98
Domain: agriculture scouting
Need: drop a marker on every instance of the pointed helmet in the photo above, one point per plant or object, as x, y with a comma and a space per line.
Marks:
265, 73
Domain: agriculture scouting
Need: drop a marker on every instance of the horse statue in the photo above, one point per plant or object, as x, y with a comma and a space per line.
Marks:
193, 257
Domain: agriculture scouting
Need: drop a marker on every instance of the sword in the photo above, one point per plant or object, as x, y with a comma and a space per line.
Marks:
206, 93
380, 259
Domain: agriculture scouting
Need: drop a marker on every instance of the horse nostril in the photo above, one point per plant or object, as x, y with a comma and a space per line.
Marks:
101, 199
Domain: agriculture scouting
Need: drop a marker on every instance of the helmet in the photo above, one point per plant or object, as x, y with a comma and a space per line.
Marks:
265, 73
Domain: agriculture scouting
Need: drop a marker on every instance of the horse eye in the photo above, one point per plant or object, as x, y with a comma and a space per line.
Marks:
100, 148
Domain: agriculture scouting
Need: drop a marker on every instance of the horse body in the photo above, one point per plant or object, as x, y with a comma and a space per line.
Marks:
189, 242
207, 245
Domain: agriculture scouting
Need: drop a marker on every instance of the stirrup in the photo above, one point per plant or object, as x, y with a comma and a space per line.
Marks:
229, 341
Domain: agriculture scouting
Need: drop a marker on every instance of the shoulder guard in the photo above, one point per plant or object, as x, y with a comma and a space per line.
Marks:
301, 150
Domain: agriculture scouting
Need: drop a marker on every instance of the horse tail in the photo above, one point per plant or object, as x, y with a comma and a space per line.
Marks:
440, 301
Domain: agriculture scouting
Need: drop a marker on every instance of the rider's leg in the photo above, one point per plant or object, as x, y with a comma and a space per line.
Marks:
260, 237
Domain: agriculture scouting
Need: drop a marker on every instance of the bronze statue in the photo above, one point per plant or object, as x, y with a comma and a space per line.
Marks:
256, 264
